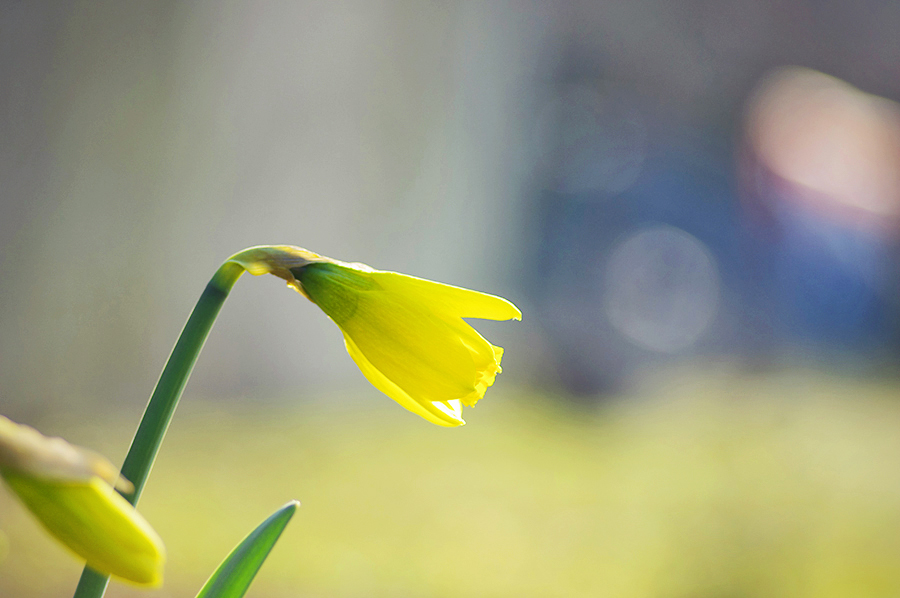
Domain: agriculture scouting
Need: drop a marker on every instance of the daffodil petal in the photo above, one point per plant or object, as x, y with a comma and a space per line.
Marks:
442, 413
444, 297
452, 408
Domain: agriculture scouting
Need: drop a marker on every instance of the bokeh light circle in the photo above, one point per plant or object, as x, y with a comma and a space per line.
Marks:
662, 288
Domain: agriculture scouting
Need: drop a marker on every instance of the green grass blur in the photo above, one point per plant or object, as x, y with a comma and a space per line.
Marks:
702, 485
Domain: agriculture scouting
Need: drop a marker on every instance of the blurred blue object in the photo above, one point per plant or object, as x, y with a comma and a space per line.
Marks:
825, 284
680, 182
783, 279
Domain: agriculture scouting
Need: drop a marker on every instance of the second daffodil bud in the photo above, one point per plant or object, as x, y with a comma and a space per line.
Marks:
71, 492
406, 334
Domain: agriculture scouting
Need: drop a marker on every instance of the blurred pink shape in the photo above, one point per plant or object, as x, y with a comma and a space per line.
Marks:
836, 147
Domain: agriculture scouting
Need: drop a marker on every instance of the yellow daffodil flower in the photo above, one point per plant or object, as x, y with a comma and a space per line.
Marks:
71, 492
406, 334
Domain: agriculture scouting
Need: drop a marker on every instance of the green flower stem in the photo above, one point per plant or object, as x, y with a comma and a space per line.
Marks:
164, 400
174, 377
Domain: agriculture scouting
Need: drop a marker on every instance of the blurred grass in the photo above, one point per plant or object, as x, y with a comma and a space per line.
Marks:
702, 484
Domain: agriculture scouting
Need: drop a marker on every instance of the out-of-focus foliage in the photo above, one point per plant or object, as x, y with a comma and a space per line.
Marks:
702, 484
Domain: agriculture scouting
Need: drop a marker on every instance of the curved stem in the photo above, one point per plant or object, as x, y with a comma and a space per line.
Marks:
164, 400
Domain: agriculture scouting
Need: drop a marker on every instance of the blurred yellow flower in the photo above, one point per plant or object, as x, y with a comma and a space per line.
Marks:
406, 334
71, 492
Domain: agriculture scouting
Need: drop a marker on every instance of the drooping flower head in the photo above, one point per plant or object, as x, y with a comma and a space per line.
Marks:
406, 334
71, 491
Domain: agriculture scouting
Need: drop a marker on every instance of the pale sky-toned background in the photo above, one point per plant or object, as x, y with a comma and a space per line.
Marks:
513, 147
143, 144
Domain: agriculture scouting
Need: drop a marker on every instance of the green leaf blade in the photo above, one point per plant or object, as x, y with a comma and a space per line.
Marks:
234, 575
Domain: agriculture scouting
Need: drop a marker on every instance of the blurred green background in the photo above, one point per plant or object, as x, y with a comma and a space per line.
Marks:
695, 204
706, 482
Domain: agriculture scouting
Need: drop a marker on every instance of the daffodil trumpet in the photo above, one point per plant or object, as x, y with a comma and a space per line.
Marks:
406, 334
